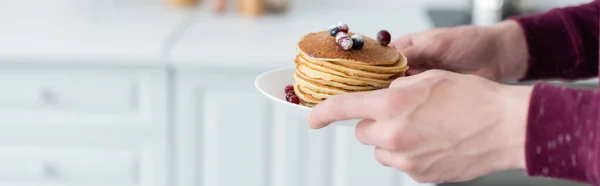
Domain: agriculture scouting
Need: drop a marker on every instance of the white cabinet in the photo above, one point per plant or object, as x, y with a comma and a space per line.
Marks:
221, 131
61, 96
229, 134
75, 165
83, 126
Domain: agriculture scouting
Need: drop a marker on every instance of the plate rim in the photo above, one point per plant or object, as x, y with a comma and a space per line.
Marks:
262, 75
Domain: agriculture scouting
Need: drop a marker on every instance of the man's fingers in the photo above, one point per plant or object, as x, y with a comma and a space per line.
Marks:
413, 71
359, 105
361, 131
394, 159
385, 157
414, 55
411, 50
402, 43
379, 134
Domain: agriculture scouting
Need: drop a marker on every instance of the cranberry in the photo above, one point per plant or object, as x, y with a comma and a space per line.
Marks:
289, 88
343, 41
343, 27
290, 93
383, 37
293, 99
358, 42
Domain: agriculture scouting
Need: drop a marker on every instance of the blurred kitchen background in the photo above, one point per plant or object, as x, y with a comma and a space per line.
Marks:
160, 92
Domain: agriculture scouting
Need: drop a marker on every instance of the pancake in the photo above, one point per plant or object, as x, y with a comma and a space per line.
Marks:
349, 81
323, 70
325, 89
322, 46
315, 95
399, 66
331, 81
305, 97
307, 104
341, 70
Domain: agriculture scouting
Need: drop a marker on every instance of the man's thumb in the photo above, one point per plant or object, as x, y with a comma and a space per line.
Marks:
416, 59
414, 55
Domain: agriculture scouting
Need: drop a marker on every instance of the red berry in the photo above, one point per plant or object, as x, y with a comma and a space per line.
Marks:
343, 41
289, 88
287, 96
343, 27
293, 99
383, 37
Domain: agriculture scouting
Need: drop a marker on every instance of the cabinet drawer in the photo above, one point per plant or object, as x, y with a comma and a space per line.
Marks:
70, 96
82, 165
88, 91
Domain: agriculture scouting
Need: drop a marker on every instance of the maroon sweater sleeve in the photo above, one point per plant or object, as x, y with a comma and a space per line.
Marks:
561, 141
563, 123
563, 42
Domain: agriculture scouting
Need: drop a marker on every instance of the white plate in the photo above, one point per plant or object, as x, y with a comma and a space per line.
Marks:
272, 84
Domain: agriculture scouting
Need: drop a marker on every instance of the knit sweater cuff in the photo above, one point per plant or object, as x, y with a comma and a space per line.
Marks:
561, 140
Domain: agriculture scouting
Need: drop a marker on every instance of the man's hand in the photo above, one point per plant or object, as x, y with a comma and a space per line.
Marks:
437, 126
497, 53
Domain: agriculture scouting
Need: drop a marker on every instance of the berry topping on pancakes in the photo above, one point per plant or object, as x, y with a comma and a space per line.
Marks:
293, 99
289, 88
344, 41
290, 95
343, 27
384, 37
358, 42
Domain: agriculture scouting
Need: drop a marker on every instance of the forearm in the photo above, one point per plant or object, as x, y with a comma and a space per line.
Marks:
561, 43
561, 142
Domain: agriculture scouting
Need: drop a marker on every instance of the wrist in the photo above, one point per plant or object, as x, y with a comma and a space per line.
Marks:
511, 56
514, 124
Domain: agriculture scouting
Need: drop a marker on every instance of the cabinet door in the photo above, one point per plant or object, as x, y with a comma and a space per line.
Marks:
222, 131
84, 166
58, 96
229, 134
51, 108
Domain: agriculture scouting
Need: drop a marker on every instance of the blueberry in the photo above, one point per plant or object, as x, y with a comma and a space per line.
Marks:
358, 42
333, 31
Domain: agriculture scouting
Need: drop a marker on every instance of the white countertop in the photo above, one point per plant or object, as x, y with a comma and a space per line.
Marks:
85, 31
232, 41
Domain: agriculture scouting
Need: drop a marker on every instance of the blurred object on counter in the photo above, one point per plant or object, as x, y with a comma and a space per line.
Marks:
182, 3
481, 12
278, 6
487, 12
247, 8
219, 5
253, 8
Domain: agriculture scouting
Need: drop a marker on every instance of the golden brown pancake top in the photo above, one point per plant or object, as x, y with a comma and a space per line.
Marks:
322, 46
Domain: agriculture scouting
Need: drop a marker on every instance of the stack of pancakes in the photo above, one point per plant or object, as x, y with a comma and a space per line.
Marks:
323, 70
